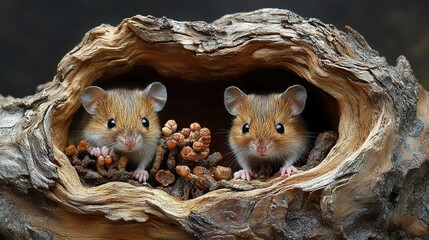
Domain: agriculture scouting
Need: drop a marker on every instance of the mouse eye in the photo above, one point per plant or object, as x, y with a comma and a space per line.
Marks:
280, 128
246, 128
145, 122
111, 123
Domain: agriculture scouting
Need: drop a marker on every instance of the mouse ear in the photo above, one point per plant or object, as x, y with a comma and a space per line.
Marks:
90, 98
232, 98
296, 95
156, 93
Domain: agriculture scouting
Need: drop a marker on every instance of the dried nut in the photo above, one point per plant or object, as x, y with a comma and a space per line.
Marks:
171, 144
183, 170
222, 173
197, 146
100, 165
199, 170
195, 127
179, 138
122, 163
186, 132
205, 132
166, 131
108, 160
205, 139
82, 146
188, 154
171, 124
164, 177
71, 150
203, 154
194, 136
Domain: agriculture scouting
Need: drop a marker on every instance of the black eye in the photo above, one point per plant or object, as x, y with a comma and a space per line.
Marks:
111, 123
246, 128
280, 128
145, 122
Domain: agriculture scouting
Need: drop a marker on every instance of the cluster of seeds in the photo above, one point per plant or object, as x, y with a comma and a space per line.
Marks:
183, 165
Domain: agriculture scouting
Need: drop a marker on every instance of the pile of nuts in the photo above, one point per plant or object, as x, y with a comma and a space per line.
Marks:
183, 165
96, 171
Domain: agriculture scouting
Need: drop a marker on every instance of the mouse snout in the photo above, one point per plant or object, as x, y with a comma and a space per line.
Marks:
127, 141
261, 147
130, 142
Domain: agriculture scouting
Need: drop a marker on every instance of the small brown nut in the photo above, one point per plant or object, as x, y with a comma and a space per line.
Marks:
199, 170
122, 163
205, 139
179, 138
164, 177
71, 150
183, 170
222, 173
203, 154
171, 144
195, 126
108, 160
205, 132
194, 136
171, 124
100, 165
166, 131
186, 132
82, 146
197, 146
188, 154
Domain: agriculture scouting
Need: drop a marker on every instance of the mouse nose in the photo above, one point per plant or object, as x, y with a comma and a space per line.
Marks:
129, 142
261, 147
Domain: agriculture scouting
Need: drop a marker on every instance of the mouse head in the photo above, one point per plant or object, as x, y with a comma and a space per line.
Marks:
124, 120
266, 126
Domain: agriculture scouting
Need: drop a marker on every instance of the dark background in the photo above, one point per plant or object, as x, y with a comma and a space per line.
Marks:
35, 35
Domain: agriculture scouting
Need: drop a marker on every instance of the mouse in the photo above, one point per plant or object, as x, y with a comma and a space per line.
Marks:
266, 128
122, 121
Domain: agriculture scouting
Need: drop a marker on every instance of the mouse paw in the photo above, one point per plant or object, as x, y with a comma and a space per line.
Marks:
103, 151
243, 174
288, 170
141, 175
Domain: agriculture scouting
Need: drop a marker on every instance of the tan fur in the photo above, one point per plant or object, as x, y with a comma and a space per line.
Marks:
262, 113
127, 107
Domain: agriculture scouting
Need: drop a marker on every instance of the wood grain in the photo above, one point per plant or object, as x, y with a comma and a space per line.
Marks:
372, 184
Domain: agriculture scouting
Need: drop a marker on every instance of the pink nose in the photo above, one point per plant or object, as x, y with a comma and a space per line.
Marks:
261, 148
130, 143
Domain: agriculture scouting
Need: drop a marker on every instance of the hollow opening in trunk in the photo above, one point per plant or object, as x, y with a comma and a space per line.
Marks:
202, 101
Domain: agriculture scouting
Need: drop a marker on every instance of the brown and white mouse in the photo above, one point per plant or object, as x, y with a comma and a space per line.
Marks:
122, 121
266, 128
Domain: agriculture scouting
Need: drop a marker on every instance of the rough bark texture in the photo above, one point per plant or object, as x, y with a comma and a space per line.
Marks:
372, 184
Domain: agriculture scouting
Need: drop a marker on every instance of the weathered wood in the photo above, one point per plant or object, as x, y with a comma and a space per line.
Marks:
372, 184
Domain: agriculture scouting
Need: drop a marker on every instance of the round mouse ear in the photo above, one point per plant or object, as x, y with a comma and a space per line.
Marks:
156, 93
90, 98
232, 98
296, 95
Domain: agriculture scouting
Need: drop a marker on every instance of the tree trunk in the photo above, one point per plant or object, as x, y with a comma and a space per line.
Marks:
372, 184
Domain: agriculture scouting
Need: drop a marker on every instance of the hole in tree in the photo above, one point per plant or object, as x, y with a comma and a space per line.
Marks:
202, 101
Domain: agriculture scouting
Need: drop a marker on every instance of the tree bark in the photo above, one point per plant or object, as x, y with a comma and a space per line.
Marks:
372, 184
